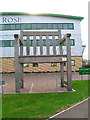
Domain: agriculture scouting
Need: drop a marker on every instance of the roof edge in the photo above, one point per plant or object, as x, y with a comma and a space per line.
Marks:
43, 14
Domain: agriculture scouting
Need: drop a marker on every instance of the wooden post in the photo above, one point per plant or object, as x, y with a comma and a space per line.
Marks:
28, 45
34, 45
17, 80
62, 73
61, 63
41, 45
47, 45
21, 65
69, 68
54, 46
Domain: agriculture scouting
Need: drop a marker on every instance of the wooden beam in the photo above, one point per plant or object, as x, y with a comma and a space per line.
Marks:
20, 42
64, 38
69, 67
21, 37
17, 79
39, 59
32, 33
42, 56
21, 68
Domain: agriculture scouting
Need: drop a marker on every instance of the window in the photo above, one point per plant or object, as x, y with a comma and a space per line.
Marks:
53, 64
65, 26
3, 27
12, 43
57, 42
72, 42
59, 26
31, 37
39, 26
64, 63
37, 37
73, 62
29, 26
35, 64
50, 43
7, 27
70, 26
44, 42
33, 26
54, 26
6, 43
64, 44
17, 26
0, 43
43, 37
38, 42
25, 65
0, 27
56, 37
25, 43
44, 26
23, 26
31, 42
12, 27
49, 25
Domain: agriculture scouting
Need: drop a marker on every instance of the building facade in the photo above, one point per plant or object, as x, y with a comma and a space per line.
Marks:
12, 22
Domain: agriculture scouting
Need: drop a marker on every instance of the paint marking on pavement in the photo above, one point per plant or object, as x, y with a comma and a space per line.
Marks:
31, 88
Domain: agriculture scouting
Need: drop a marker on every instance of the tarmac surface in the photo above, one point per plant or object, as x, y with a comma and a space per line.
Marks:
79, 110
38, 82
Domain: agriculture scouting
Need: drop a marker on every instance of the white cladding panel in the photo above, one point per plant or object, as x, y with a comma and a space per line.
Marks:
75, 34
47, 19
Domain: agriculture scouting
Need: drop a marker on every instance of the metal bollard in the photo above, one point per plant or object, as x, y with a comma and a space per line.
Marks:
56, 86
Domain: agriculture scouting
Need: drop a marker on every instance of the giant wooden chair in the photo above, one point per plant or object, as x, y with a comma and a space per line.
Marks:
22, 59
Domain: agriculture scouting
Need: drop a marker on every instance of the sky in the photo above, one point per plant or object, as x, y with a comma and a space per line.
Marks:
67, 7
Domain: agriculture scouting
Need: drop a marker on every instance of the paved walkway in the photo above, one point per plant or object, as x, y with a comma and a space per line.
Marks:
79, 110
38, 82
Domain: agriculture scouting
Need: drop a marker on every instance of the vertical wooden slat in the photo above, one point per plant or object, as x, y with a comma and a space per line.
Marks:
69, 68
61, 64
28, 45
17, 80
47, 44
59, 37
21, 46
41, 45
54, 45
21, 65
34, 44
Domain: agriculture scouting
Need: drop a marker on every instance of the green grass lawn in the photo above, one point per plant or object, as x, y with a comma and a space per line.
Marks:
42, 105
